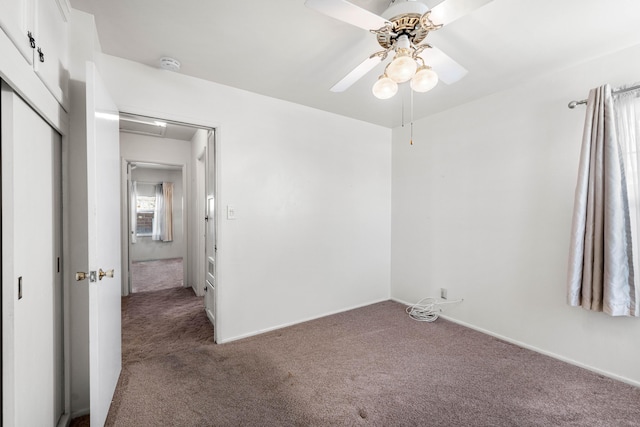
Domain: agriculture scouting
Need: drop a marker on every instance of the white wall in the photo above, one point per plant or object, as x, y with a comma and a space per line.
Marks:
146, 249
482, 206
311, 190
196, 257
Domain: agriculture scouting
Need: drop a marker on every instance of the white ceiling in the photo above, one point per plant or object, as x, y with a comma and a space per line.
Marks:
282, 49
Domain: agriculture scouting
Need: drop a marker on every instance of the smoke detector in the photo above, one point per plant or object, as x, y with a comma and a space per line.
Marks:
170, 64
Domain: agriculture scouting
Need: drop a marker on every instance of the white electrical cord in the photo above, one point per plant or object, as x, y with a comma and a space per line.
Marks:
428, 309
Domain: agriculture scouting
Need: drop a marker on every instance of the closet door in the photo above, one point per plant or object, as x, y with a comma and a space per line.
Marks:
58, 289
29, 265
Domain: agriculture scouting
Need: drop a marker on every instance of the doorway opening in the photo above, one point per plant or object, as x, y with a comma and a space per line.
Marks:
166, 163
157, 239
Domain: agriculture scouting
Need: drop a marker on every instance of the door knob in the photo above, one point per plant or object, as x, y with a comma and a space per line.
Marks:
81, 275
108, 273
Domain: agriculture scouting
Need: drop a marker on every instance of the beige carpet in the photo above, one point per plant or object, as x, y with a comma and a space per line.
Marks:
156, 275
370, 366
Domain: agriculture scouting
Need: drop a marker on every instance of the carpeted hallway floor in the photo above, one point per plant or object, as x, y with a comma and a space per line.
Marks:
370, 366
156, 275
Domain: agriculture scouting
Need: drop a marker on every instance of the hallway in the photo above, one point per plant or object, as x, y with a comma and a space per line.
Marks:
156, 275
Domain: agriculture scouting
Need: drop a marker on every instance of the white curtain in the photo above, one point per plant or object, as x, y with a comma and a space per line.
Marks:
162, 226
158, 215
133, 211
603, 265
167, 229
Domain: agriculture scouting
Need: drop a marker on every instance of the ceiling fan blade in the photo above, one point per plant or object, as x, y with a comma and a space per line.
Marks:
348, 12
448, 70
450, 10
356, 74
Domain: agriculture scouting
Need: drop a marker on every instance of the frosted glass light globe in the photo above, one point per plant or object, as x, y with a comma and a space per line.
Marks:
424, 80
402, 68
384, 87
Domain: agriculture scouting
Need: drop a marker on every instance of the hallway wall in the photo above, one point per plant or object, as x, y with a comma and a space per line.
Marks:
311, 191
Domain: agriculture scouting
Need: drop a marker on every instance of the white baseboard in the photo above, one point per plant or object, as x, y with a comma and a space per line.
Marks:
210, 316
284, 325
536, 349
80, 413
64, 420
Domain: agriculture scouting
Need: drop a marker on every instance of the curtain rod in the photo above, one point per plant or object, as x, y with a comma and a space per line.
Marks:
573, 104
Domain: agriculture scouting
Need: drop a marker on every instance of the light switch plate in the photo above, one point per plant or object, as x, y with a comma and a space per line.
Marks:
231, 212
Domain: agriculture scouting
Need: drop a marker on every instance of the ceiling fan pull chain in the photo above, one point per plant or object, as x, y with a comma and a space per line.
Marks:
403, 98
411, 138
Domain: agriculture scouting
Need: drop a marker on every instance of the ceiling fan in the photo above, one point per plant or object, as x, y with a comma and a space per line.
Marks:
401, 31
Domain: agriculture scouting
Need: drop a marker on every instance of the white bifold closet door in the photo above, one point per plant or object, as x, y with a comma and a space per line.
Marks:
33, 390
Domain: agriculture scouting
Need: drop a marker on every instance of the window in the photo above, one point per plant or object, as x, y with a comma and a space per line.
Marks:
145, 207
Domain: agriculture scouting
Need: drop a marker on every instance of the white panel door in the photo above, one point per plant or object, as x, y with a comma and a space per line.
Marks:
29, 266
103, 193
210, 234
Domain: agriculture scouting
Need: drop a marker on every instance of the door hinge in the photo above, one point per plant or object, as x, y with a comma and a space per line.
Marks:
58, 264
20, 287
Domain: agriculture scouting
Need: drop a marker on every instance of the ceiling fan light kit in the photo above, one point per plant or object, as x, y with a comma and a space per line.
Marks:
424, 80
403, 67
401, 29
384, 87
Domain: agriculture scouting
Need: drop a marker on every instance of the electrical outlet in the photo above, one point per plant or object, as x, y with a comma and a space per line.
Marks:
443, 293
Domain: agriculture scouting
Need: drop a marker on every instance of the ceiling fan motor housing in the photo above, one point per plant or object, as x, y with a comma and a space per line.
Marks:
404, 16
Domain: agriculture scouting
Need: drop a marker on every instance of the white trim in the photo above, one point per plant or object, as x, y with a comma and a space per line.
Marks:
65, 9
64, 421
124, 228
214, 133
8, 238
285, 325
67, 279
163, 116
200, 223
536, 349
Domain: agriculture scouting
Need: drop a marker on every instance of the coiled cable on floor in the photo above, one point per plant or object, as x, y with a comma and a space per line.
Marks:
428, 309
